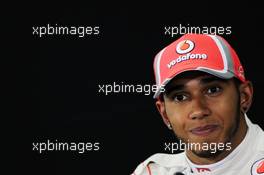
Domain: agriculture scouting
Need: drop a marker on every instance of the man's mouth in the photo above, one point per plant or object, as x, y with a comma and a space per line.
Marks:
204, 130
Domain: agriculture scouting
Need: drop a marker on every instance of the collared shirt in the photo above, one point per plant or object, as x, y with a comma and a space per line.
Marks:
246, 159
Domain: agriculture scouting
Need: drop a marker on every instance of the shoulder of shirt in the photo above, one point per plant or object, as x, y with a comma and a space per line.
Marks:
260, 139
259, 135
161, 160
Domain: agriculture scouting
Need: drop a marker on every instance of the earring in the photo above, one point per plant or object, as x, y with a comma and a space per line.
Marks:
169, 126
244, 106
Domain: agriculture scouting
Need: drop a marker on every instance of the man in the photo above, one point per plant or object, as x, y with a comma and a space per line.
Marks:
203, 98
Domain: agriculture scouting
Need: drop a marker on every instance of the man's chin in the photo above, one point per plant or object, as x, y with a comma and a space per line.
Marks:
207, 153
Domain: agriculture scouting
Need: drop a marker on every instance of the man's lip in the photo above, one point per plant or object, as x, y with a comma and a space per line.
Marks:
204, 130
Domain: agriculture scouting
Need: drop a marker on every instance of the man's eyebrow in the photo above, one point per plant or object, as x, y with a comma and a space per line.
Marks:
207, 80
171, 88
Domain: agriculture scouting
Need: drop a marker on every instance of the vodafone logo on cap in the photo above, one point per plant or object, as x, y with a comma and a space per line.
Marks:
184, 47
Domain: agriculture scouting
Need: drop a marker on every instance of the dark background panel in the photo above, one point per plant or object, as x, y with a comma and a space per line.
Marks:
58, 96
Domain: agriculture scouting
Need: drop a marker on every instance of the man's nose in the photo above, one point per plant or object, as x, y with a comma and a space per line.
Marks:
199, 109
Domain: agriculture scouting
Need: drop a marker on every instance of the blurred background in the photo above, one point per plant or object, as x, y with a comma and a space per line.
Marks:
58, 82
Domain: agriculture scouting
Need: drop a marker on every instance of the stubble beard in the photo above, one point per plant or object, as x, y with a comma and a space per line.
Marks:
208, 153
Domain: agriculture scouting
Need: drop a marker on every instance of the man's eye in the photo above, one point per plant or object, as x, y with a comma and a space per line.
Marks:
179, 98
213, 90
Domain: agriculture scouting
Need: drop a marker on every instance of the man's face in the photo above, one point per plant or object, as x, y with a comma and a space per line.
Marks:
202, 109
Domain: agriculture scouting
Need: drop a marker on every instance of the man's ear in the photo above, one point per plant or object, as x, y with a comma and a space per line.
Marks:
246, 96
162, 110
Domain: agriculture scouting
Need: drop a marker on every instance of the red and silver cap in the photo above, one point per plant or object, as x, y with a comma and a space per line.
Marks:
208, 53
